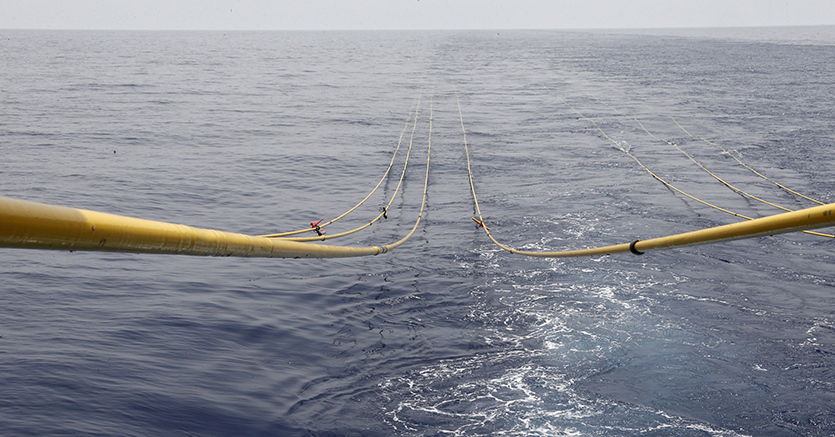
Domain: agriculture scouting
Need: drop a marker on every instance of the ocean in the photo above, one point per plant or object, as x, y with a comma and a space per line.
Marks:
446, 335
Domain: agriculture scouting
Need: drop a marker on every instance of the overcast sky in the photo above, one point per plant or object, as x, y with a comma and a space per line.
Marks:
408, 14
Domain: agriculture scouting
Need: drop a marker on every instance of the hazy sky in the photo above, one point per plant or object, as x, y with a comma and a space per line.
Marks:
408, 14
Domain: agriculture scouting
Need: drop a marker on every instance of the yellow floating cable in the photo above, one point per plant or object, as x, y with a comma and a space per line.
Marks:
811, 218
747, 166
31, 225
700, 165
669, 185
388, 170
783, 187
385, 210
388, 247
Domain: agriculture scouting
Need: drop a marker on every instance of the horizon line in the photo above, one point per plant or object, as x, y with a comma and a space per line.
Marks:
486, 29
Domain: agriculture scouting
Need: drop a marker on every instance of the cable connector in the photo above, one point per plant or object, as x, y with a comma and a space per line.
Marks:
633, 249
317, 228
480, 223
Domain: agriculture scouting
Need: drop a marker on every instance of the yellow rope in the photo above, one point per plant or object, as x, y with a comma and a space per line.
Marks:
785, 188
31, 225
385, 210
388, 247
669, 185
727, 184
747, 166
817, 217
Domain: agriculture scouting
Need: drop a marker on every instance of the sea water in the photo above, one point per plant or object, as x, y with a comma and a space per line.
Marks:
261, 132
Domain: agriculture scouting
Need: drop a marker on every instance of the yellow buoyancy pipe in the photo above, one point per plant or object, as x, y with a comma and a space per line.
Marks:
25, 224
804, 219
811, 218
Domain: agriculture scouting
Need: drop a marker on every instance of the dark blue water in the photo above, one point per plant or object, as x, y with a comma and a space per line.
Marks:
448, 334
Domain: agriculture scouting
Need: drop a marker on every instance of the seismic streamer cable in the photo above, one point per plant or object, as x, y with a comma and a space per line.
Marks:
727, 184
747, 166
384, 213
31, 225
669, 185
811, 218
388, 170
726, 152
388, 247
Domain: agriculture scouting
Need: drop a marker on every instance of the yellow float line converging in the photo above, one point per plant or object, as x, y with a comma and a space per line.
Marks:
385, 175
747, 166
811, 218
385, 210
31, 225
689, 156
